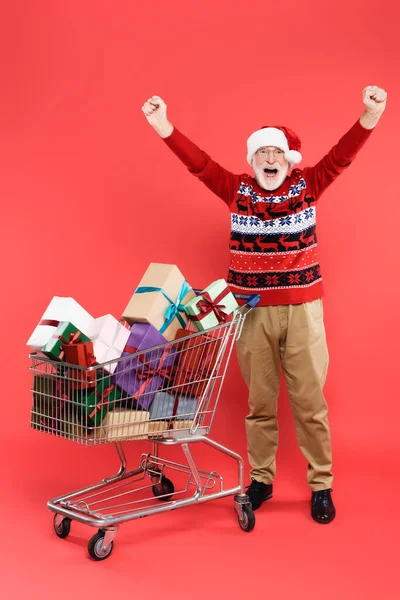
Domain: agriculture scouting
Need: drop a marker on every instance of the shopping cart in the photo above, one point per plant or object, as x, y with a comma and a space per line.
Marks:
166, 394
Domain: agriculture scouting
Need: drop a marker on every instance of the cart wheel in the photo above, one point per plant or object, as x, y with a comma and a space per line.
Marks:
249, 520
164, 490
63, 528
95, 546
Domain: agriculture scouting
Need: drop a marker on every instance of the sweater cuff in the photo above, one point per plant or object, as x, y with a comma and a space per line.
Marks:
359, 132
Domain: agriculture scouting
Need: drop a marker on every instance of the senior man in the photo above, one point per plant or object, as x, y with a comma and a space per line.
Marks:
274, 253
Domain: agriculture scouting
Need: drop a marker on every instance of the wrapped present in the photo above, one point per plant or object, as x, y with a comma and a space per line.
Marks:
159, 300
157, 428
126, 424
109, 338
81, 354
59, 309
141, 375
166, 406
48, 401
73, 425
65, 333
187, 424
197, 355
212, 307
96, 402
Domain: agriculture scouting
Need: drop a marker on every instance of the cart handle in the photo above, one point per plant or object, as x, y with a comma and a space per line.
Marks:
251, 299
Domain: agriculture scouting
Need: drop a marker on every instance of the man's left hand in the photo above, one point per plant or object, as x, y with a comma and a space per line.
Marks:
374, 99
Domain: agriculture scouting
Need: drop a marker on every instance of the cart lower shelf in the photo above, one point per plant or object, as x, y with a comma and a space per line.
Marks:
146, 491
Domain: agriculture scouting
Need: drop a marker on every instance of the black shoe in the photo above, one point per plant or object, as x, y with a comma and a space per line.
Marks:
322, 509
258, 492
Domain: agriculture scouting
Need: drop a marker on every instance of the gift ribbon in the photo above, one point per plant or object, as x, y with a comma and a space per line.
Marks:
49, 322
103, 398
148, 373
174, 308
207, 305
89, 361
73, 339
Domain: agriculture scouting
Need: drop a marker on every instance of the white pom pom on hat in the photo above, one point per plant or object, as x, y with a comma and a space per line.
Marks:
280, 137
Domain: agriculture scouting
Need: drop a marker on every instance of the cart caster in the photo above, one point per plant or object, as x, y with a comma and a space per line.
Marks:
248, 519
62, 526
96, 546
164, 489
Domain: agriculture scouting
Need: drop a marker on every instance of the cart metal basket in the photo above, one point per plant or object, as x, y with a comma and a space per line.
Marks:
166, 394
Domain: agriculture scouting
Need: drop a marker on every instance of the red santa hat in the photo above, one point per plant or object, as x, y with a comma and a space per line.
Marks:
280, 137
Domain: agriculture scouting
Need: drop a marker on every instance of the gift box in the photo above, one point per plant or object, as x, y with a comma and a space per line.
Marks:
165, 406
73, 426
109, 338
65, 333
157, 428
187, 424
212, 307
96, 402
197, 356
59, 309
159, 300
81, 355
140, 376
48, 401
126, 424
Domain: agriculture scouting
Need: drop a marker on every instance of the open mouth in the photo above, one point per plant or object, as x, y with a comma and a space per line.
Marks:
270, 172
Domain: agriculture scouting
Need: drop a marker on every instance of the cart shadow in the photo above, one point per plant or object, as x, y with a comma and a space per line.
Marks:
195, 519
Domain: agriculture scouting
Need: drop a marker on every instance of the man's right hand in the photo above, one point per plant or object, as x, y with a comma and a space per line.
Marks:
155, 111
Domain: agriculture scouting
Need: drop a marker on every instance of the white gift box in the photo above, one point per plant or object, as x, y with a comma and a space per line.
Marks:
109, 339
59, 309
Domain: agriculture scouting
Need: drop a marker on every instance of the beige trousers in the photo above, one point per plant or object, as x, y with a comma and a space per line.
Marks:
293, 337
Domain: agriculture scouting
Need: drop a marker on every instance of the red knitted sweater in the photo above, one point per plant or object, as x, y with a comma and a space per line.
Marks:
273, 242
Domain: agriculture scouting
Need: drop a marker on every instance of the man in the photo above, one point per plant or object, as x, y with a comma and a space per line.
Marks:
273, 248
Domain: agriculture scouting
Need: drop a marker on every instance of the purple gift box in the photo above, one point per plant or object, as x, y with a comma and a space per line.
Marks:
142, 376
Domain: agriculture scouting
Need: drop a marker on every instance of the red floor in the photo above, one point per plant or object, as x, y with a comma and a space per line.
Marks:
200, 551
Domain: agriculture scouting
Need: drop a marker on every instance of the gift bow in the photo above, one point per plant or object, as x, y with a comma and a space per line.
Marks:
148, 372
73, 339
174, 308
207, 305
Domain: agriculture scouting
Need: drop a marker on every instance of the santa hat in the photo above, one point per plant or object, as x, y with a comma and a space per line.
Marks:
280, 137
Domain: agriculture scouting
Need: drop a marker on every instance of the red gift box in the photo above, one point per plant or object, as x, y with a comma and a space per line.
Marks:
80, 354
196, 360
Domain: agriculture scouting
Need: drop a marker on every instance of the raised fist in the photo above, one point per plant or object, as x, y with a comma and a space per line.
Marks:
155, 111
374, 99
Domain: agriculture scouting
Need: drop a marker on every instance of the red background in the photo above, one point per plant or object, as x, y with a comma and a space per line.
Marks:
90, 196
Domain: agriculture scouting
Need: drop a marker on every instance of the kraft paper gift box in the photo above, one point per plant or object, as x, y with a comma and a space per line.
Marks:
65, 333
197, 356
80, 354
212, 307
73, 424
48, 401
182, 424
59, 309
142, 375
94, 403
126, 424
109, 338
159, 300
166, 406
